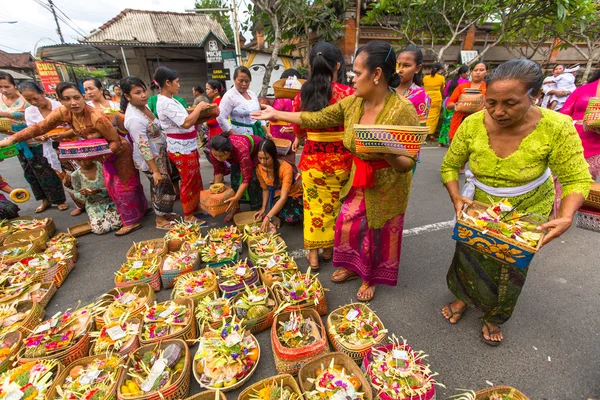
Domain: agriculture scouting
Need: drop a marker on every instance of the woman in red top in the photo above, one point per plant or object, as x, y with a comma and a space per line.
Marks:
477, 76
325, 162
214, 90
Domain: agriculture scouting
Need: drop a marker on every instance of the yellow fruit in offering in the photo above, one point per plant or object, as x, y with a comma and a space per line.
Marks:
133, 387
124, 390
253, 354
230, 383
355, 382
199, 368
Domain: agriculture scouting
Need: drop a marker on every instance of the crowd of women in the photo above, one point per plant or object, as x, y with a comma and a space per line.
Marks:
352, 204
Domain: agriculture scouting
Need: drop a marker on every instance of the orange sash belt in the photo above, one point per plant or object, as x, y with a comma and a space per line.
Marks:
364, 175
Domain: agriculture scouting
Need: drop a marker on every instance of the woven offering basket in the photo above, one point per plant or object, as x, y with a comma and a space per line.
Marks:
58, 369
153, 280
38, 237
258, 324
178, 389
485, 393
168, 278
279, 380
50, 288
178, 288
239, 383
389, 139
15, 259
208, 395
469, 103
142, 288
219, 264
320, 308
66, 356
159, 251
245, 218
292, 367
188, 333
211, 111
593, 199
111, 393
80, 229
254, 257
591, 118
230, 291
486, 242
282, 92
132, 344
175, 244
588, 219
213, 201
283, 146
305, 352
32, 319
15, 337
4, 236
271, 277
63, 270
50, 225
309, 371
5, 125
356, 352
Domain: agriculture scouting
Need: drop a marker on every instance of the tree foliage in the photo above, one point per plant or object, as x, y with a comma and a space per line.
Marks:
222, 17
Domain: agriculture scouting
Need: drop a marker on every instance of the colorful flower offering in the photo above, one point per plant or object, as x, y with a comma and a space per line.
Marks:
236, 273
165, 319
502, 219
10, 317
15, 251
300, 288
92, 381
212, 310
122, 304
153, 370
27, 225
357, 326
184, 231
29, 381
180, 260
277, 263
505, 393
195, 284
333, 382
228, 234
196, 244
226, 355
298, 331
147, 249
254, 303
132, 271
57, 334
115, 335
26, 269
275, 391
399, 372
215, 252
267, 246
8, 345
254, 232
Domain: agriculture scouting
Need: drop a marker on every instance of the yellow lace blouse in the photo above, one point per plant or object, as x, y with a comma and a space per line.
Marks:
389, 196
553, 143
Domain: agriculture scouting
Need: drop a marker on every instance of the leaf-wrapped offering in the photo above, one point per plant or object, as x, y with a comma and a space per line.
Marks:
130, 301
226, 356
196, 244
176, 264
64, 243
301, 290
182, 232
60, 336
256, 306
333, 381
195, 285
266, 247
160, 370
219, 253
30, 381
234, 277
119, 336
168, 320
211, 311
353, 329
91, 378
279, 387
398, 372
272, 268
139, 271
228, 234
298, 331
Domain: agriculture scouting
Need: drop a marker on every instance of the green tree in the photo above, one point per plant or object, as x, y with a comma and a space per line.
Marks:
222, 17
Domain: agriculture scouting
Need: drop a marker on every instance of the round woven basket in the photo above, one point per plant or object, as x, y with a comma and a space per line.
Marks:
271, 277
72, 353
254, 257
14, 259
357, 353
50, 288
50, 225
105, 300
178, 389
282, 92
38, 237
178, 288
153, 280
322, 307
389, 139
485, 394
160, 250
189, 332
239, 383
279, 380
258, 324
308, 371
16, 338
111, 393
35, 316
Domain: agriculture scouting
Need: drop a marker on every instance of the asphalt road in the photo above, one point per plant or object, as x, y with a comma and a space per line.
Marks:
552, 344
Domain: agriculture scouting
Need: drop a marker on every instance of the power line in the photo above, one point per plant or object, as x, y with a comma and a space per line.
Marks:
12, 48
66, 16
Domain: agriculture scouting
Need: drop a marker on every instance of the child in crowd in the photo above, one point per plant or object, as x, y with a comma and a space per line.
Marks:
565, 82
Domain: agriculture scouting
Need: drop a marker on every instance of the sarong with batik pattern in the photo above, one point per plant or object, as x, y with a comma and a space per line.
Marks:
45, 183
188, 166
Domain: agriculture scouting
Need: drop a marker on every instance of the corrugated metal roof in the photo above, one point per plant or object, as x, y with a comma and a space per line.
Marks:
158, 27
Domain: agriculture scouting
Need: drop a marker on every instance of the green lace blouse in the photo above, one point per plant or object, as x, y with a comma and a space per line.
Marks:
553, 143
389, 196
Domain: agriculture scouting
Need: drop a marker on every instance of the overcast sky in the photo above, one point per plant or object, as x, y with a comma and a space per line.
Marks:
36, 24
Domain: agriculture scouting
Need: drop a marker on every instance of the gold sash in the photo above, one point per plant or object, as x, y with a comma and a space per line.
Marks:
325, 137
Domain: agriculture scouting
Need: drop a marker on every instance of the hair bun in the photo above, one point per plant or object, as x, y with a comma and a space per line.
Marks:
394, 80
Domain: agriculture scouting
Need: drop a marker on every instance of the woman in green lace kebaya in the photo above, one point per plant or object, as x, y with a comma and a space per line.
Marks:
368, 231
509, 147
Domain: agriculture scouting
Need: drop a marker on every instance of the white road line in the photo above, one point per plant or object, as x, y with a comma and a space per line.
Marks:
438, 226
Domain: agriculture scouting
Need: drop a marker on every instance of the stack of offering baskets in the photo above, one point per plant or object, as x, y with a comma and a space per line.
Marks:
226, 357
389, 139
176, 264
172, 319
265, 247
195, 285
353, 329
255, 307
333, 376
140, 271
93, 377
296, 338
397, 372
271, 269
157, 371
234, 277
278, 387
301, 291
500, 232
65, 338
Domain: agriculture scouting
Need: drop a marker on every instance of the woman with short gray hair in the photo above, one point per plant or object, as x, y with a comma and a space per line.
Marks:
511, 147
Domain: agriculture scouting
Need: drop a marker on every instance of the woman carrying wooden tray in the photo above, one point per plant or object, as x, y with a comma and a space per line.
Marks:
368, 232
511, 146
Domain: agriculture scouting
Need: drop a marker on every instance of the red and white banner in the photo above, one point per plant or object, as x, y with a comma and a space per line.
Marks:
48, 75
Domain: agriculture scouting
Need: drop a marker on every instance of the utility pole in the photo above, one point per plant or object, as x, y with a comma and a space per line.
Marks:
60, 35
238, 47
